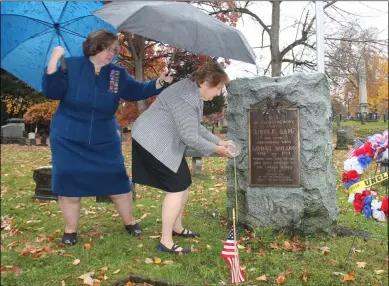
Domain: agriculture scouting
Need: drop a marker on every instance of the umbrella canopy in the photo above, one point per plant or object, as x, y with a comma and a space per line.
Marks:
30, 30
181, 25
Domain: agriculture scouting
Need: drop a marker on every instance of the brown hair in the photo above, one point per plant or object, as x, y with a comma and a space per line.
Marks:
98, 41
212, 73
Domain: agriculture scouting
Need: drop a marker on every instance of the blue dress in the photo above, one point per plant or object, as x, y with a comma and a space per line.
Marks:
86, 149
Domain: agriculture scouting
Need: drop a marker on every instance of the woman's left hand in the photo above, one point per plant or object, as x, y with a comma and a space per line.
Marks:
165, 77
226, 143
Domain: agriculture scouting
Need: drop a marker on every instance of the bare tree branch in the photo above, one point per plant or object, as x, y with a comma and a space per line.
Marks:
243, 11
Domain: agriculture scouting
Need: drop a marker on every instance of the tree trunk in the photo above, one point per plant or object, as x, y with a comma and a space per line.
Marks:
137, 48
276, 62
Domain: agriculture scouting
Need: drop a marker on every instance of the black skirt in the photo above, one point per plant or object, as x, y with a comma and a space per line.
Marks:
148, 170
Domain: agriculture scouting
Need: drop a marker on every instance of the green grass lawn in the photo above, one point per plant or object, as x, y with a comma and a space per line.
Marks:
31, 241
369, 128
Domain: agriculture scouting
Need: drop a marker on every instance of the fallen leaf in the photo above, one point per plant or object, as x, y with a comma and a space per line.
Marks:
63, 283
15, 270
129, 284
333, 261
356, 250
305, 277
104, 268
116, 271
87, 245
154, 236
149, 261
325, 250
243, 267
87, 278
349, 277
67, 255
379, 272
140, 245
76, 261
102, 277
137, 259
261, 278
167, 262
274, 245
280, 279
157, 260
209, 247
339, 273
142, 217
361, 264
241, 246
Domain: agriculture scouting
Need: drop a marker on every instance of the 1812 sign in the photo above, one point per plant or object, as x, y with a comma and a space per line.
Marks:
274, 145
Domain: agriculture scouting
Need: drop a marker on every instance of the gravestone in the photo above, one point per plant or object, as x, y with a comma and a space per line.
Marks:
22, 141
42, 178
341, 139
43, 140
11, 130
285, 175
349, 134
32, 138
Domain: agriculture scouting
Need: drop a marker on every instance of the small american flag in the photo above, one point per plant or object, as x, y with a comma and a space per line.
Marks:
231, 256
350, 153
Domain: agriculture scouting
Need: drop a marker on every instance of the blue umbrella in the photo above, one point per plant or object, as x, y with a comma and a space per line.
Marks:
30, 30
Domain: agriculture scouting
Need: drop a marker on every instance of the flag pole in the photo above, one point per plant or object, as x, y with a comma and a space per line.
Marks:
236, 190
235, 247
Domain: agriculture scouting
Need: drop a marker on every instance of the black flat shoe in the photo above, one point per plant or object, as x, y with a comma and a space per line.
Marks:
173, 250
134, 229
69, 238
186, 233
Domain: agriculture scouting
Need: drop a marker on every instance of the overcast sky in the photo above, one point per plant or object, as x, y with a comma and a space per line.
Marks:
370, 14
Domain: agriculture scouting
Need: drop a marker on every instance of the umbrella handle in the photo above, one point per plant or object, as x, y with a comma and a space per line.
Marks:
64, 67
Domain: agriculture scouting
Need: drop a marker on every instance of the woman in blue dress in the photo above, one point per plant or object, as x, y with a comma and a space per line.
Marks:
86, 149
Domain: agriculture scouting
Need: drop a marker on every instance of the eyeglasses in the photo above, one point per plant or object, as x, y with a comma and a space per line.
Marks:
112, 50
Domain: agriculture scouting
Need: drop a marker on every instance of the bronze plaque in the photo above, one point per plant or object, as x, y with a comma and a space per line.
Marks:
274, 146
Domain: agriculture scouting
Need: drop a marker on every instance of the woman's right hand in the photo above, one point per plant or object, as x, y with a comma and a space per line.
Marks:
223, 151
57, 53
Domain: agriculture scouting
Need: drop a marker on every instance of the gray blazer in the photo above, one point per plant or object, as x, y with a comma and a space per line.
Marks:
172, 123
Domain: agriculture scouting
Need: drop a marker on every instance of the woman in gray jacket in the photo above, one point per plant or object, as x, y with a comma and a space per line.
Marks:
161, 135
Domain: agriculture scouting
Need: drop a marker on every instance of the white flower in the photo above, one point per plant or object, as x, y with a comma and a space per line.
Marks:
351, 198
375, 205
379, 215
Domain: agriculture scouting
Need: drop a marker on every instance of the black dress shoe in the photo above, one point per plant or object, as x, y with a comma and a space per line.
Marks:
173, 250
134, 229
186, 233
69, 238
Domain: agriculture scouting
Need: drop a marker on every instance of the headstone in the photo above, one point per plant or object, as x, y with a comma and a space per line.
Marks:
224, 129
341, 139
12, 130
362, 117
384, 167
285, 174
43, 140
196, 161
42, 178
22, 141
349, 134
32, 142
31, 135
